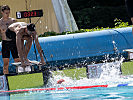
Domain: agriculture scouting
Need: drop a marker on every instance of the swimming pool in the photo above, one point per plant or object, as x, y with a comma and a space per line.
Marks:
85, 94
110, 85
96, 93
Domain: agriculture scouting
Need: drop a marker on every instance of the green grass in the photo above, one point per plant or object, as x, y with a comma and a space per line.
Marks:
76, 73
25, 81
127, 68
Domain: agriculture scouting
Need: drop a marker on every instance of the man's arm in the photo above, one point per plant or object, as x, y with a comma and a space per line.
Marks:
0, 31
39, 48
1, 39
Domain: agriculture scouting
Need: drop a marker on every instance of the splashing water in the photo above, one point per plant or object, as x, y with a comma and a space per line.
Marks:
110, 75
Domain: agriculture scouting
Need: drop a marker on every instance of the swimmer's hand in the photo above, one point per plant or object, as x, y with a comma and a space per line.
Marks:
0, 53
42, 63
60, 81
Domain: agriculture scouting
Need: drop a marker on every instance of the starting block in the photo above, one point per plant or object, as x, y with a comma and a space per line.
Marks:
130, 53
20, 69
22, 79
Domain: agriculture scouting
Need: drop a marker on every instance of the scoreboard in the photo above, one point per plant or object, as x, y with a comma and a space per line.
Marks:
29, 14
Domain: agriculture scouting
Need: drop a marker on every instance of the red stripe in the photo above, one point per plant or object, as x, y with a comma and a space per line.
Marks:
61, 88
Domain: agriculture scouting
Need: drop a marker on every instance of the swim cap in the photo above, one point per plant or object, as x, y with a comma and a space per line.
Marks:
31, 27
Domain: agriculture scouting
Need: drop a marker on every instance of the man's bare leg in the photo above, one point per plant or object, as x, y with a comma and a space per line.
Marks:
28, 45
6, 65
25, 50
17, 60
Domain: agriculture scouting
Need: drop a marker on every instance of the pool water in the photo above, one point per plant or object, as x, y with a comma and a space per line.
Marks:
116, 93
98, 93
109, 76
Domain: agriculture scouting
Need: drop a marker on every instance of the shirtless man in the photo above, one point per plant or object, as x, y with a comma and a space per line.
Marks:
7, 44
22, 31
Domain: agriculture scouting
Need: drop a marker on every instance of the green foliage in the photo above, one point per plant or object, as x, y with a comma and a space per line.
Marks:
100, 16
81, 4
118, 23
48, 34
101, 13
0, 39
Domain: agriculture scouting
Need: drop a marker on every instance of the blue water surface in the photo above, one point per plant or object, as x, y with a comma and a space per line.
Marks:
100, 93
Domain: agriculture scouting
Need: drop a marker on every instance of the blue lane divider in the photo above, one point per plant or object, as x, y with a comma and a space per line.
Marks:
119, 85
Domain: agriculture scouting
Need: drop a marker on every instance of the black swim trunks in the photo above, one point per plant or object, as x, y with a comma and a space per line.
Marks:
129, 5
9, 46
11, 35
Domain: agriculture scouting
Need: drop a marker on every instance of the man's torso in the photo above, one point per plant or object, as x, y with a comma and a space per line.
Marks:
19, 27
4, 25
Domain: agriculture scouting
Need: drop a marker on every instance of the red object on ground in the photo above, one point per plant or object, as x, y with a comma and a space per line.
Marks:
60, 81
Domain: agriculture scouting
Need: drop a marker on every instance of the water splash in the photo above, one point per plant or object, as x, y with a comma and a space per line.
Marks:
110, 75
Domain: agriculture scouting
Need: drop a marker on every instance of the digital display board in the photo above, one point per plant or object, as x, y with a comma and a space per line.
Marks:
29, 14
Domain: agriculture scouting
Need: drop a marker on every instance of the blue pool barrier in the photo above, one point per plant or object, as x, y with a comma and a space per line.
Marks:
83, 45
